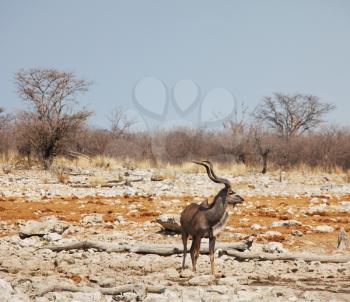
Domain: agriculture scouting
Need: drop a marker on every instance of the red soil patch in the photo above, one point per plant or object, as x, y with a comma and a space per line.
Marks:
147, 208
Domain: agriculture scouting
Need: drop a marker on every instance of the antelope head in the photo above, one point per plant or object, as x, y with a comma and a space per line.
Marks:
232, 197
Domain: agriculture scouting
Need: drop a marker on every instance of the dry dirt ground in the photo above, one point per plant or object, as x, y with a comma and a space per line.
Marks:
303, 213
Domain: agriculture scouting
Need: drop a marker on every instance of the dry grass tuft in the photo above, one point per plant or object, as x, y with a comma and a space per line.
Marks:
101, 162
7, 169
169, 171
61, 173
347, 176
97, 180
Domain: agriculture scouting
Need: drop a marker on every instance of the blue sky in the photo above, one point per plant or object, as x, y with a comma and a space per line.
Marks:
250, 48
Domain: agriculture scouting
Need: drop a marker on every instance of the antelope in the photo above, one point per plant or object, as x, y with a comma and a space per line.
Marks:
200, 220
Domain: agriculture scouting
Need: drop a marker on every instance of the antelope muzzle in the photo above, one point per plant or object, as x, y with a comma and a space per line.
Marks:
235, 199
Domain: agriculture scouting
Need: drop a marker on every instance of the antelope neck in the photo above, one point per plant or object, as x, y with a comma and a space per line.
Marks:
218, 208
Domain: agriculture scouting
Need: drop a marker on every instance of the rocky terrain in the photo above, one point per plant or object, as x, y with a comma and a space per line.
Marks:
38, 210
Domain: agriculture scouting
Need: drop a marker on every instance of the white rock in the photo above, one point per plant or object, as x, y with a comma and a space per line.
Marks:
92, 218
20, 297
231, 281
31, 241
323, 229
256, 227
317, 209
274, 247
41, 228
6, 290
314, 200
281, 223
171, 273
107, 282
296, 233
343, 206
271, 234
201, 280
156, 298
236, 235
120, 220
129, 191
290, 210
53, 237
244, 220
186, 273
91, 297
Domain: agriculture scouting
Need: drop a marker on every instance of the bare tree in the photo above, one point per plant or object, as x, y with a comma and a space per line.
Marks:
120, 123
292, 114
23, 137
263, 146
4, 118
5, 132
239, 132
52, 121
178, 145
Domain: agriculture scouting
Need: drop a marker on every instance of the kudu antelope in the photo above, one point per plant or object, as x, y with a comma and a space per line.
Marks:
200, 220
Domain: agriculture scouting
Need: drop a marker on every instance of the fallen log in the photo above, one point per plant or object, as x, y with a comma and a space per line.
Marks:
104, 291
307, 257
144, 248
85, 245
237, 250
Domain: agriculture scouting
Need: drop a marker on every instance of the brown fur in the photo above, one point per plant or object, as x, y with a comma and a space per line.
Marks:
200, 220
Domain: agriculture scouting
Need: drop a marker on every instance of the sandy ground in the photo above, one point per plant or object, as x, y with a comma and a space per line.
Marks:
313, 207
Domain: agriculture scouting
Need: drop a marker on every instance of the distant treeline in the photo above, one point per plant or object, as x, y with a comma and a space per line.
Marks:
283, 131
327, 148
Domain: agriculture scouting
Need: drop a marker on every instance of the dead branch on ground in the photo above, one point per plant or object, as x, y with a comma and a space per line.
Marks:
143, 248
307, 257
104, 291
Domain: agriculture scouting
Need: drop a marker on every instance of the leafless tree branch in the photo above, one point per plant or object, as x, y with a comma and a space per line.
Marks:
292, 114
51, 123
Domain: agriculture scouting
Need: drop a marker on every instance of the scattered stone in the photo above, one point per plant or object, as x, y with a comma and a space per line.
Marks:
256, 227
274, 247
272, 236
171, 273
170, 222
52, 237
321, 208
230, 281
120, 220
343, 206
106, 282
282, 223
244, 220
157, 177
296, 233
186, 273
91, 297
41, 228
6, 290
202, 280
238, 236
26, 267
314, 200
323, 229
93, 218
